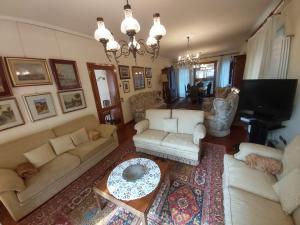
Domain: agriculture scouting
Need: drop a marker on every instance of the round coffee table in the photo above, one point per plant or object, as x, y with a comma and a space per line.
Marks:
133, 179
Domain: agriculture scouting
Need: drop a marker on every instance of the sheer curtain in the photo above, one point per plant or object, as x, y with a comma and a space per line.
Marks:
183, 80
223, 78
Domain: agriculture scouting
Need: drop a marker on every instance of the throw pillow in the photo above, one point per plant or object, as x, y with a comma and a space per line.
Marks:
288, 191
62, 144
40, 156
264, 164
94, 135
26, 170
170, 125
79, 137
10, 181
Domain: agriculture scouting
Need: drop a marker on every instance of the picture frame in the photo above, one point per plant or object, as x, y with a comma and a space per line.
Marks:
10, 114
126, 86
124, 72
148, 72
72, 100
138, 74
28, 71
40, 106
65, 74
5, 90
149, 83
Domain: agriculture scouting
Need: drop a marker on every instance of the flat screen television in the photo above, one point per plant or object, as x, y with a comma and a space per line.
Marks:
268, 98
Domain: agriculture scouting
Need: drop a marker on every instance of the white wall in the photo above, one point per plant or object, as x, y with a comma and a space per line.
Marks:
27, 40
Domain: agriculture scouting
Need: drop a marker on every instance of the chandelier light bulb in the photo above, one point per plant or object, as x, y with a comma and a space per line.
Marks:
112, 45
179, 58
129, 24
101, 33
134, 43
157, 30
151, 41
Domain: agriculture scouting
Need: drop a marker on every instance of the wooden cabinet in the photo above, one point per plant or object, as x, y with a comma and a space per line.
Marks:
170, 86
237, 68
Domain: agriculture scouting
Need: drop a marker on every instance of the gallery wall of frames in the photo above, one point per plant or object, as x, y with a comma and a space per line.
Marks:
45, 80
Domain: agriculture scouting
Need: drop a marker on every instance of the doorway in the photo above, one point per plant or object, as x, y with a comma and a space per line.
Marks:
106, 94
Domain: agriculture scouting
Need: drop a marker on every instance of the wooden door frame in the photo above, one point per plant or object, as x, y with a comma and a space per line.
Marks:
97, 99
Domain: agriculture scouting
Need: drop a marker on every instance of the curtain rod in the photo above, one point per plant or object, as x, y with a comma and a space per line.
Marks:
233, 53
273, 13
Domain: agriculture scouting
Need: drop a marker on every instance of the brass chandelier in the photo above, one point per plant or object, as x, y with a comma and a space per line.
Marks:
130, 26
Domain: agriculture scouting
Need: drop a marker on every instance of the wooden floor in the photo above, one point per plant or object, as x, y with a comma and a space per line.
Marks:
238, 135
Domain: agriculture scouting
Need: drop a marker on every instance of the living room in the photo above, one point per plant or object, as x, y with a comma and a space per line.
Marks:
149, 112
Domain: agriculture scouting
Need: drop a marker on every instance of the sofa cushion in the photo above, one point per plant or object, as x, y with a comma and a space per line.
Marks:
41, 155
156, 118
170, 125
187, 119
288, 190
62, 144
10, 181
150, 136
180, 141
88, 149
48, 174
90, 122
244, 208
291, 157
79, 136
238, 174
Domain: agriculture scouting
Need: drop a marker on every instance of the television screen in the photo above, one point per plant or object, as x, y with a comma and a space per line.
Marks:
268, 98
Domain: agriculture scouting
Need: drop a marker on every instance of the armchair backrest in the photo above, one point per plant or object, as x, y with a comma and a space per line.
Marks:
187, 119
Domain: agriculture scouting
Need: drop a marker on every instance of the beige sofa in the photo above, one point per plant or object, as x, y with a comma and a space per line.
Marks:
249, 196
58, 173
177, 139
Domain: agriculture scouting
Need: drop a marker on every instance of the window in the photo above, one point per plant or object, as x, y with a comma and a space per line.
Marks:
205, 70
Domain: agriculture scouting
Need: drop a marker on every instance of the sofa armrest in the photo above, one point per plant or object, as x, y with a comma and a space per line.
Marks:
199, 133
262, 150
141, 126
10, 181
106, 130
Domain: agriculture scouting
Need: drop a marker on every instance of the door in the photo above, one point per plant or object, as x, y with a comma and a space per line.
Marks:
106, 93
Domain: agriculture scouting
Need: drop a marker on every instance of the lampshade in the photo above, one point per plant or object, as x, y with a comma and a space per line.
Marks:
101, 32
157, 29
129, 23
151, 41
134, 43
112, 45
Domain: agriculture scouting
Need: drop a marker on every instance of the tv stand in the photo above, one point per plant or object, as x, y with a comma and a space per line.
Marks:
259, 128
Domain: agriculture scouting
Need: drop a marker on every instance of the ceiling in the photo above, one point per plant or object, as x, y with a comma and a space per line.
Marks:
215, 26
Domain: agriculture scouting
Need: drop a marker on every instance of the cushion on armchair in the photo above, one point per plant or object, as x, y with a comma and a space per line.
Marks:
264, 164
10, 181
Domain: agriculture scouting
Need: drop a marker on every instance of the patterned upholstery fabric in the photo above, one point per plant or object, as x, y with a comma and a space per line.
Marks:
146, 100
218, 121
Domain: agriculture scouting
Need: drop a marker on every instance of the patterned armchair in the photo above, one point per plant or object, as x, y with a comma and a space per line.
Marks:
219, 119
146, 100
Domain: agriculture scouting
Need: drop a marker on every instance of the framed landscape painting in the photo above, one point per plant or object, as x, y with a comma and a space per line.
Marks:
10, 115
40, 106
72, 100
124, 72
138, 77
148, 72
5, 90
28, 71
65, 73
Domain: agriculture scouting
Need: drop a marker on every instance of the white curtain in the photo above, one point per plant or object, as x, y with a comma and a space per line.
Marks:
183, 80
268, 52
224, 72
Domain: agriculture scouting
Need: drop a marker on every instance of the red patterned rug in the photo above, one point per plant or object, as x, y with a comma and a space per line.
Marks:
194, 196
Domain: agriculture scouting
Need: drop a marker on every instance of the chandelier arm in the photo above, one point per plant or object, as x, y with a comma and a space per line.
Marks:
146, 48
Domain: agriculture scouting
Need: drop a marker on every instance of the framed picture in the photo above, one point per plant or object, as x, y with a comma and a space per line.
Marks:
10, 114
124, 72
72, 100
28, 71
40, 106
65, 74
138, 77
5, 90
148, 72
149, 83
126, 87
